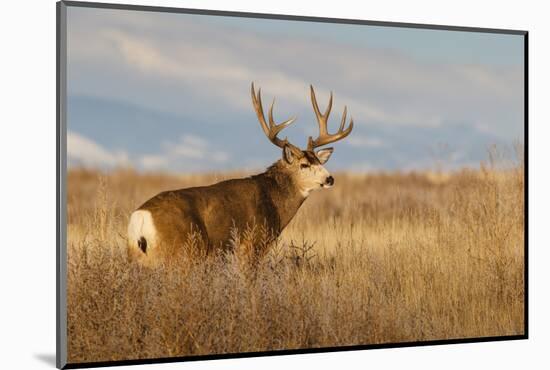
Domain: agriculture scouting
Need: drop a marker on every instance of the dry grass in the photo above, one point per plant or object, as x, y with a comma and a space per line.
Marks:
378, 258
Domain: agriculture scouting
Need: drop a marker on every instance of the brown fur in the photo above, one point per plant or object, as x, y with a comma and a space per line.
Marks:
271, 199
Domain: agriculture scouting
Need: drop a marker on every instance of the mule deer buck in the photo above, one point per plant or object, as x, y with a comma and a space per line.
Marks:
159, 228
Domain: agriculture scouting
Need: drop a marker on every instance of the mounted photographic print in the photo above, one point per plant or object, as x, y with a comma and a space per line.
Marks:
237, 184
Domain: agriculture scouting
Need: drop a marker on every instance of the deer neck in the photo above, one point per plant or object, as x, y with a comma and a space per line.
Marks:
285, 194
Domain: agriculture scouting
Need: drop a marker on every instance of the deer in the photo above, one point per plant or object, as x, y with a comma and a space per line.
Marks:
160, 226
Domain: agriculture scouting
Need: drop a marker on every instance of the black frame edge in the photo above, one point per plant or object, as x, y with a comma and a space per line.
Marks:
526, 184
291, 352
227, 13
61, 135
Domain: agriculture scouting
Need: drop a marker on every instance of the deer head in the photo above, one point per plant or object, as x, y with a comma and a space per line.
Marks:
305, 166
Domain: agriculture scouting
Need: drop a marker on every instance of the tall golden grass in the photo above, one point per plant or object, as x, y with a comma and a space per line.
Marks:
379, 258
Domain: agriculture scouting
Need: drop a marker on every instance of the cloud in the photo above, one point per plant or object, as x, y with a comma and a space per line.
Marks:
153, 161
365, 141
82, 151
194, 63
186, 64
200, 68
190, 152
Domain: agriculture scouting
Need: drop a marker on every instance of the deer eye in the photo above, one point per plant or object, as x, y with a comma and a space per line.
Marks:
304, 165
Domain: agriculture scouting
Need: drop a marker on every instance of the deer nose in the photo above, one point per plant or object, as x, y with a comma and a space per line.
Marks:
330, 180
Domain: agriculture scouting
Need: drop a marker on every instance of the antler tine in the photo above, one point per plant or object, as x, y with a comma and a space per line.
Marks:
322, 120
343, 122
314, 102
329, 107
272, 129
257, 103
276, 128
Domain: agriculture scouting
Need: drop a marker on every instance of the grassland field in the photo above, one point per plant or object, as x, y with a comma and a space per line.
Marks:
378, 258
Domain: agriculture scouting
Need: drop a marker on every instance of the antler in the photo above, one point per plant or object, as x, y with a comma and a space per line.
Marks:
324, 137
273, 129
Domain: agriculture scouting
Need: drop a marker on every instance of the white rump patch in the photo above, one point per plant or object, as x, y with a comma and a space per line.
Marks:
141, 225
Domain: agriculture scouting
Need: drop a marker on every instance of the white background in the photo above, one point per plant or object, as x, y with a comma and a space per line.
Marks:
27, 145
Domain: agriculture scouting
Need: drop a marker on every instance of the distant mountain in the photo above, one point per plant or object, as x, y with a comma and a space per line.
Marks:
239, 142
116, 124
139, 131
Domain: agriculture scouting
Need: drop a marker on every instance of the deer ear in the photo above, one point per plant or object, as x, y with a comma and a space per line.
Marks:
324, 154
287, 154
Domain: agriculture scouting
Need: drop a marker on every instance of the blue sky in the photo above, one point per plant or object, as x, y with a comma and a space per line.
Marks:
171, 92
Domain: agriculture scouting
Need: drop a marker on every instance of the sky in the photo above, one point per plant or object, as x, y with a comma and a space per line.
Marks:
171, 92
